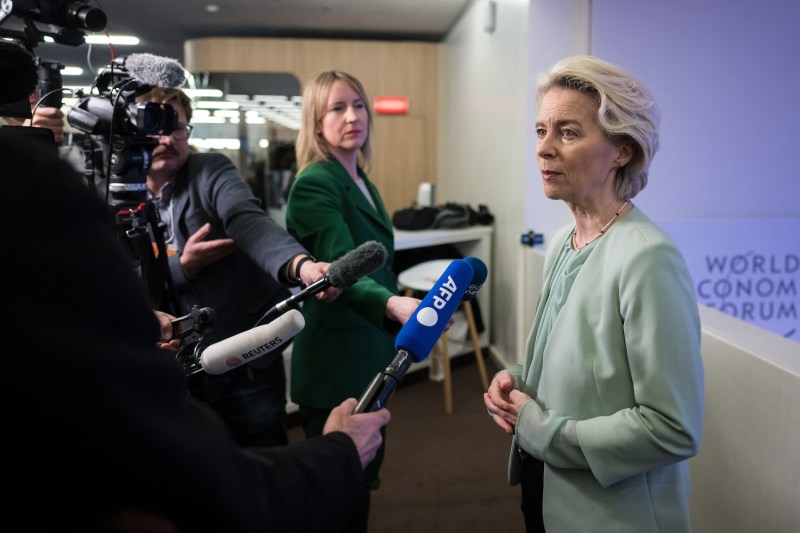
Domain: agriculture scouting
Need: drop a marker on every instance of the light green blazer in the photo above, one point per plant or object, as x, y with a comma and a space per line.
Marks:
623, 360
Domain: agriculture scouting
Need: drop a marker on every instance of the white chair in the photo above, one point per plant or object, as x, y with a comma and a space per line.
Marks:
422, 277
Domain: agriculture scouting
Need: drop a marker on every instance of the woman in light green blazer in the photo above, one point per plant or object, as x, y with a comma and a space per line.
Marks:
607, 407
333, 208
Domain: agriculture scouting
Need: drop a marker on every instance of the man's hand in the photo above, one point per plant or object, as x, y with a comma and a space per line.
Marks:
45, 117
166, 342
199, 253
52, 118
400, 309
311, 272
363, 428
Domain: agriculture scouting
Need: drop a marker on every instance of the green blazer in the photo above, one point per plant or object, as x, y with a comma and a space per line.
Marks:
344, 343
623, 360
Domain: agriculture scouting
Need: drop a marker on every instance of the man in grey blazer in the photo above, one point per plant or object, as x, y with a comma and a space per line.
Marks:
227, 253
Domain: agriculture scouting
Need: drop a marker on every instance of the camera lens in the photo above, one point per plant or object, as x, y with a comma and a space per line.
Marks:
81, 15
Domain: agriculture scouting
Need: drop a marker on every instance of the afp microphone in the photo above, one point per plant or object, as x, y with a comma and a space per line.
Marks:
480, 273
364, 259
418, 336
252, 344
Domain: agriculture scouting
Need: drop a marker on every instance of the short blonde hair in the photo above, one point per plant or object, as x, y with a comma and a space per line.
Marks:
627, 112
311, 146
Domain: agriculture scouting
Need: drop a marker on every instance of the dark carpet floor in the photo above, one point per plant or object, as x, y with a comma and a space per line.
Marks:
443, 473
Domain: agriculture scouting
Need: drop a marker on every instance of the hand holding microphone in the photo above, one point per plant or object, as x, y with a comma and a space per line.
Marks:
416, 339
343, 272
363, 428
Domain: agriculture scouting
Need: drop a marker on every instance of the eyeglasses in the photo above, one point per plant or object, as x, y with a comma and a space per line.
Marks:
181, 133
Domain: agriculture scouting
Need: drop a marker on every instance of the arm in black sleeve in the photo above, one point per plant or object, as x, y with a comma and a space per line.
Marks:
97, 421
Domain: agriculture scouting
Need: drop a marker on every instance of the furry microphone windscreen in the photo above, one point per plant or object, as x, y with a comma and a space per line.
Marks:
364, 259
156, 71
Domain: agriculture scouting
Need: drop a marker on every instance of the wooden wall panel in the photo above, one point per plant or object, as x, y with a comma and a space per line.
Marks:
404, 153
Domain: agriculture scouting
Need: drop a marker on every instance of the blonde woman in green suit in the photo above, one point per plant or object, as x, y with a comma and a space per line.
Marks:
332, 208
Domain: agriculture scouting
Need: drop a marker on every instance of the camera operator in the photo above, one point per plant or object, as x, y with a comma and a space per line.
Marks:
230, 256
99, 432
18, 99
19, 66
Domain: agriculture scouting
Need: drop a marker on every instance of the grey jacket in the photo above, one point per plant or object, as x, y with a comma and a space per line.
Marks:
241, 287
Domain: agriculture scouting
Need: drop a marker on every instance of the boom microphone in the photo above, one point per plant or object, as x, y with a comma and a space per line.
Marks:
252, 344
152, 70
365, 259
417, 337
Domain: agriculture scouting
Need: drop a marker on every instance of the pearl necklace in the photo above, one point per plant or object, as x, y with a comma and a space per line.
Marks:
576, 246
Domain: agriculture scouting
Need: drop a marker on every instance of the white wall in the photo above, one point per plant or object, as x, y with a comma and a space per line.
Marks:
484, 107
746, 477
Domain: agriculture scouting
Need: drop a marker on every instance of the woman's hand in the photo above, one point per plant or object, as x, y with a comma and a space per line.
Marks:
503, 402
400, 308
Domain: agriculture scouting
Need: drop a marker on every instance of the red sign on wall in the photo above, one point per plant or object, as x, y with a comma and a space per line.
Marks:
391, 105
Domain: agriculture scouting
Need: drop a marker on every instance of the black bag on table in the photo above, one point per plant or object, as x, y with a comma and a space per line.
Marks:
414, 218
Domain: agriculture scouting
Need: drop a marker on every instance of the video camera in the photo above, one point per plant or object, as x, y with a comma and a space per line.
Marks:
119, 131
67, 20
121, 127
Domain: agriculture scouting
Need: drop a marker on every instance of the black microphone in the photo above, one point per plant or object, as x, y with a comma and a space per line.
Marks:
365, 259
418, 336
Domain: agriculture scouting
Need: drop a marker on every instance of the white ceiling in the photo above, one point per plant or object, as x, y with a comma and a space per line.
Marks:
164, 26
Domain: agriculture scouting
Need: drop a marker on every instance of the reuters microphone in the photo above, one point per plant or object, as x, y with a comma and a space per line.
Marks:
252, 344
418, 336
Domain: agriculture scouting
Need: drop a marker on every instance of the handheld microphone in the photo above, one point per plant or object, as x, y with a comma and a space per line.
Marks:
252, 344
364, 259
417, 337
479, 276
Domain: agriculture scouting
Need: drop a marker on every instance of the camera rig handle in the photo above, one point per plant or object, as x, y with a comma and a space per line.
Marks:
192, 330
